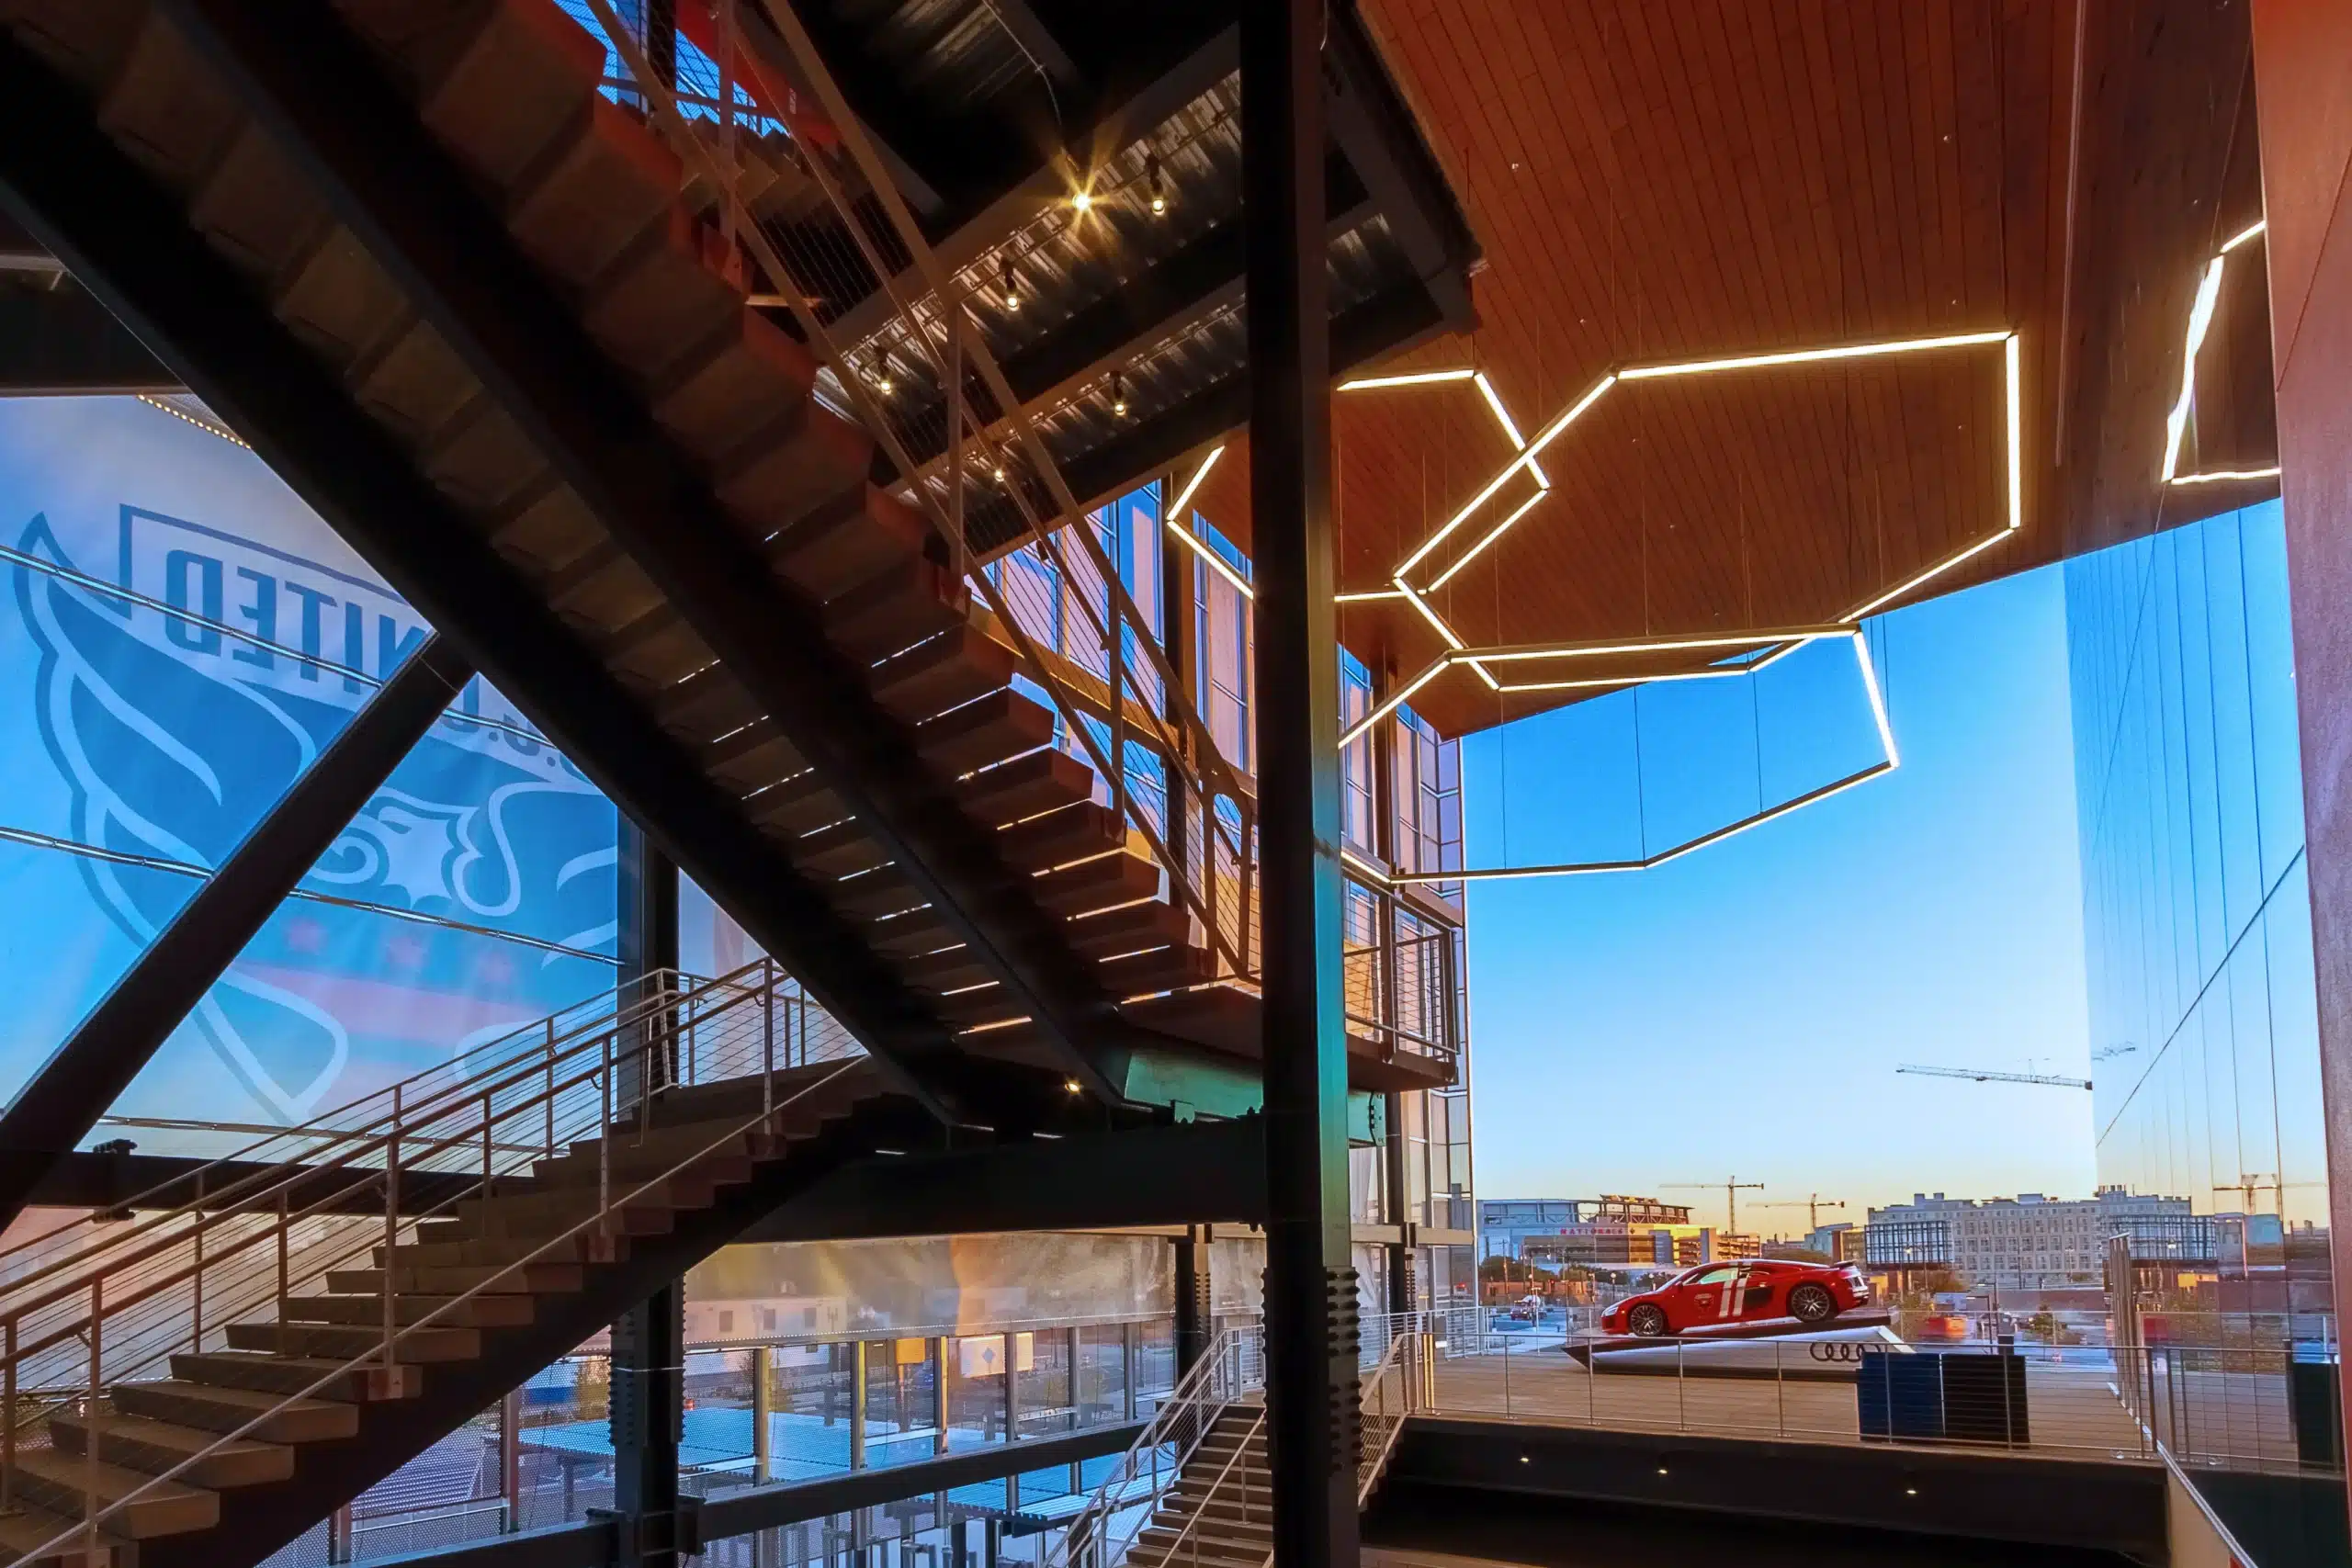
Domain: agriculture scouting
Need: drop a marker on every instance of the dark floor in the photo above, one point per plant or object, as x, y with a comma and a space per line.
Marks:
1430, 1527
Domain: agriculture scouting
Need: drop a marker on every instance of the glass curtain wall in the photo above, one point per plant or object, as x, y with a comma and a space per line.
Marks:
2197, 913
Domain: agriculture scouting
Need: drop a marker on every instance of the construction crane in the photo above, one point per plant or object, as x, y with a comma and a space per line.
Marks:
1732, 1189
1812, 1205
1985, 1075
2251, 1182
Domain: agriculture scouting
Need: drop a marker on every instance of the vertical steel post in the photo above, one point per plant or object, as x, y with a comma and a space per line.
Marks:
510, 1457
858, 1353
767, 1042
649, 1340
939, 1395
1312, 1432
392, 1223
1194, 1301
762, 1412
90, 1410
196, 1294
550, 1092
1176, 631
1011, 1390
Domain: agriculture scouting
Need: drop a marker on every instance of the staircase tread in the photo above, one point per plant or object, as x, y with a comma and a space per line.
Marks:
166, 1434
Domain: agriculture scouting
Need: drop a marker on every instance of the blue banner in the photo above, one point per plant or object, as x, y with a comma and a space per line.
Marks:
181, 639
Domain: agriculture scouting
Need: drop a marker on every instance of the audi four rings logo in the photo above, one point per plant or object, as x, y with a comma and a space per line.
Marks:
1840, 1353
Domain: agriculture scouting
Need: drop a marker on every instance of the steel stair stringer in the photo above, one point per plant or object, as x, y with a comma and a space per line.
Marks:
312, 82
128, 239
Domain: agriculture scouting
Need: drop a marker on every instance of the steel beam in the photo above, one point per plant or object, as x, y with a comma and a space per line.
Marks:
1310, 1287
1370, 123
1394, 321
55, 341
129, 241
1168, 298
1190, 1173
85, 1074
309, 82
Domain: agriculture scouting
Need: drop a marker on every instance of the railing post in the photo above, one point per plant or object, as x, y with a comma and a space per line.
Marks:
761, 1398
9, 1421
196, 1287
90, 1443
604, 1142
282, 1223
392, 1223
550, 1093
487, 1120
767, 1042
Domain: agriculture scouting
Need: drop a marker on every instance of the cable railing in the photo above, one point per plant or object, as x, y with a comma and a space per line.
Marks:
1391, 1392
928, 382
236, 1241
1100, 1533
1227, 1499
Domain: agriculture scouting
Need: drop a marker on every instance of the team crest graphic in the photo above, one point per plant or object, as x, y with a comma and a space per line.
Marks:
176, 739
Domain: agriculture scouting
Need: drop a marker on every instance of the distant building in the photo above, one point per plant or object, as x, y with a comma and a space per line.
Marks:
2032, 1241
1505, 1223
1839, 1243
1613, 1243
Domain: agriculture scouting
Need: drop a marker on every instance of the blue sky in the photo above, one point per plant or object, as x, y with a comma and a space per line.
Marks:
1741, 1010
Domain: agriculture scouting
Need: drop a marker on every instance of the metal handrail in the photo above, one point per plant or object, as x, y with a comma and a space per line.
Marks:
1212, 1383
1396, 1363
1198, 748
544, 1044
665, 989
125, 1272
599, 1220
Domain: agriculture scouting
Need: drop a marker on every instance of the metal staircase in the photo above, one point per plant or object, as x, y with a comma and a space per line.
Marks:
283, 1327
1195, 1486
514, 332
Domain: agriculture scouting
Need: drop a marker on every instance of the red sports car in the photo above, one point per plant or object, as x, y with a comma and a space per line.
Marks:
1743, 1291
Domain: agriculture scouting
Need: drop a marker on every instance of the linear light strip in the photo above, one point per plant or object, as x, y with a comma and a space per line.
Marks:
1389, 705
2216, 476
1414, 378
1431, 616
1945, 565
1510, 427
1367, 598
2012, 355
1759, 637
1216, 562
2200, 318
2251, 232
1176, 507
1597, 683
1543, 438
1878, 699
1713, 836
1810, 356
1493, 533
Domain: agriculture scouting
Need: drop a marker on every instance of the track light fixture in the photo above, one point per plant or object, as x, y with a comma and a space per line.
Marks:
1011, 286
1119, 394
1159, 188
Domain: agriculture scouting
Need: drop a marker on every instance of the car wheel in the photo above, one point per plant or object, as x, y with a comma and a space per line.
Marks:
1646, 1320
1811, 1303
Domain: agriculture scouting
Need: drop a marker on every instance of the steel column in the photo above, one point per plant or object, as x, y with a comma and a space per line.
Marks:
1310, 1286
97, 1061
649, 1340
858, 1351
1196, 1299
1402, 1296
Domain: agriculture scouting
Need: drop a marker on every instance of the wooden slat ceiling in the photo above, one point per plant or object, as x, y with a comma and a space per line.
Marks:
1658, 180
